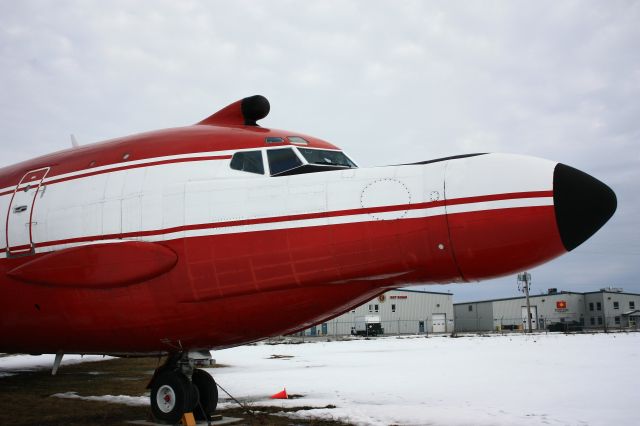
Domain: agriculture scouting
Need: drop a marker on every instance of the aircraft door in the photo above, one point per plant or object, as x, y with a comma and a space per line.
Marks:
19, 218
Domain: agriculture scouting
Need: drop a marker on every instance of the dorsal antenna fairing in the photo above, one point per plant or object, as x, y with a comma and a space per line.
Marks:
74, 141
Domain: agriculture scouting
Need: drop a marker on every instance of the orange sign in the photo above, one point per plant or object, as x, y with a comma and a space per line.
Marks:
561, 304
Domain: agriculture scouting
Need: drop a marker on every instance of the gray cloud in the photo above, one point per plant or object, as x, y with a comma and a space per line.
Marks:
390, 82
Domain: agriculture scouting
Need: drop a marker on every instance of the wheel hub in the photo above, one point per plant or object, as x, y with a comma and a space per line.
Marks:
166, 399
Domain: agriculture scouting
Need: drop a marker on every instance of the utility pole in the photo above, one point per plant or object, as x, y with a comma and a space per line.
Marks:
524, 284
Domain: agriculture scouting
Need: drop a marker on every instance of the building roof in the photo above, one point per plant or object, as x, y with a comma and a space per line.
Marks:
422, 291
531, 296
612, 292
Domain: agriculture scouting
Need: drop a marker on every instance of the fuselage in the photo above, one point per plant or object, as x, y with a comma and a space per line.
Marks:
174, 240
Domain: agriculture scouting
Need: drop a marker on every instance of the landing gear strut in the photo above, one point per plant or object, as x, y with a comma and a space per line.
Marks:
178, 387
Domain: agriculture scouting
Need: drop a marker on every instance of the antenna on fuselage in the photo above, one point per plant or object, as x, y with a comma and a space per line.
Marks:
74, 141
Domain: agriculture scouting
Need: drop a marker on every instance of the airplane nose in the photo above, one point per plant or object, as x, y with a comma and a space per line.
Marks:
582, 205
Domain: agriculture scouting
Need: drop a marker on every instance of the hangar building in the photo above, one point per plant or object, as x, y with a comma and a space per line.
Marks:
400, 312
565, 310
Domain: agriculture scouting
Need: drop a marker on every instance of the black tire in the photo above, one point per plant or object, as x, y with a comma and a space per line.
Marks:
170, 396
194, 399
208, 394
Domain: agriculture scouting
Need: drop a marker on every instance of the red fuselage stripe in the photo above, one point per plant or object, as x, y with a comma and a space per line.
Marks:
130, 166
304, 216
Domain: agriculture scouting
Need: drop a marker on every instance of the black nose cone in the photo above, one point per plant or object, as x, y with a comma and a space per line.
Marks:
582, 203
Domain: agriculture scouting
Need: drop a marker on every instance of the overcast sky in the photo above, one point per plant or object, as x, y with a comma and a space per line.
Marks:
389, 82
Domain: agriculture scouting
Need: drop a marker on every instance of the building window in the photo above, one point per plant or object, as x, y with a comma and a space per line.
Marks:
592, 321
599, 320
353, 311
617, 320
370, 308
470, 308
598, 306
375, 307
632, 304
591, 306
616, 305
393, 308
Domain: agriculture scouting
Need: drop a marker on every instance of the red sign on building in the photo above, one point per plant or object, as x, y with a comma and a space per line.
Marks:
561, 304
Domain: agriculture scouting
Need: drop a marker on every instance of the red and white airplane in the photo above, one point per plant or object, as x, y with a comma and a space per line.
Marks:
222, 233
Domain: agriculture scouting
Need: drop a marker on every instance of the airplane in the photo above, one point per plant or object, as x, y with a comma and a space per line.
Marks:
181, 241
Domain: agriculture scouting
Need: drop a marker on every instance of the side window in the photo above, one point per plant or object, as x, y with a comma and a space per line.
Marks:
281, 160
248, 161
326, 158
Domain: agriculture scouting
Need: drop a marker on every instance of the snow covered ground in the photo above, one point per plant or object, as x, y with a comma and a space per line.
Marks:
550, 379
14, 364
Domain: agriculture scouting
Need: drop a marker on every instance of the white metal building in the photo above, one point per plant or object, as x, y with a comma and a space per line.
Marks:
565, 310
401, 312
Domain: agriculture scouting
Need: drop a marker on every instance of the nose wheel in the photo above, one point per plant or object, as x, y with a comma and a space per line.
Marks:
208, 393
177, 388
171, 396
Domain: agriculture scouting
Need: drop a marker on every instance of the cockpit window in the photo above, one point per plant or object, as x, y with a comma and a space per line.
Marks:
326, 158
248, 161
281, 160
297, 140
273, 139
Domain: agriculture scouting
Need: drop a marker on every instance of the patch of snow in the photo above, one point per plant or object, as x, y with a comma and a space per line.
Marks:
114, 399
556, 379
16, 363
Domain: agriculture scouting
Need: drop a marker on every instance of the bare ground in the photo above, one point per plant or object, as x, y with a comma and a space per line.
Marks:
25, 398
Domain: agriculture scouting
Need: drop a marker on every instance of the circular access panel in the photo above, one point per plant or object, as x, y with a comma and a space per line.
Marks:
386, 198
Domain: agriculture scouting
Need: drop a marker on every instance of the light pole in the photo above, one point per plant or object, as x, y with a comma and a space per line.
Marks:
524, 284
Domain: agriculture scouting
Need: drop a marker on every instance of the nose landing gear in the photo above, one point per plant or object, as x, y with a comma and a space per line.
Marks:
178, 387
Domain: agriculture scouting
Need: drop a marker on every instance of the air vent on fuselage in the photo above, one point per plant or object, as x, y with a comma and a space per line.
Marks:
245, 112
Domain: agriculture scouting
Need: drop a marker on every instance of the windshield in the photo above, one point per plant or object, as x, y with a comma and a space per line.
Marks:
281, 160
326, 158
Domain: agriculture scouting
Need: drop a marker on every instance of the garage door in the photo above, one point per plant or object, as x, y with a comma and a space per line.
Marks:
438, 323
